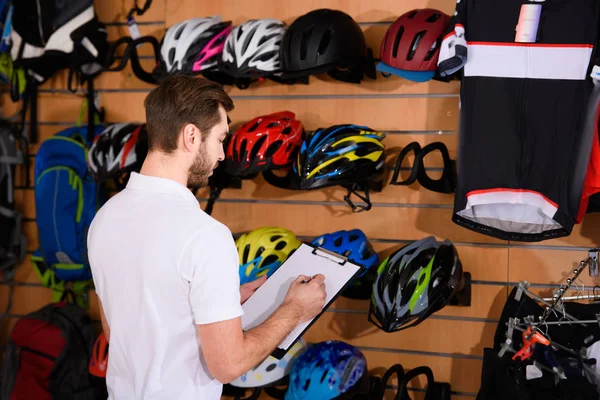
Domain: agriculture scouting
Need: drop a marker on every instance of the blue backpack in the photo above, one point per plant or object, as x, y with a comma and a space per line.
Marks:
66, 200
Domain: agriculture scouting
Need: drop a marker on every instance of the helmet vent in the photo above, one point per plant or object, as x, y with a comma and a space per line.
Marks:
304, 43
179, 32
338, 241
286, 131
353, 237
249, 38
306, 384
413, 13
171, 55
272, 148
432, 50
273, 124
271, 259
324, 374
271, 367
281, 245
324, 41
397, 41
266, 38
254, 126
260, 251
415, 44
259, 143
246, 252
433, 17
243, 151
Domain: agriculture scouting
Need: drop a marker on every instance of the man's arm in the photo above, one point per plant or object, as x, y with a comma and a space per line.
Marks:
229, 352
105, 327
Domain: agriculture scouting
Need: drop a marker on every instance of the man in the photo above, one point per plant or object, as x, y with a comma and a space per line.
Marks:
166, 273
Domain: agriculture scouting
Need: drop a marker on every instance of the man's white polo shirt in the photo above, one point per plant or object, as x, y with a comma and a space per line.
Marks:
161, 265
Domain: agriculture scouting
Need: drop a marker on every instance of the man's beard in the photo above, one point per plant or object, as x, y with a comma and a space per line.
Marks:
200, 170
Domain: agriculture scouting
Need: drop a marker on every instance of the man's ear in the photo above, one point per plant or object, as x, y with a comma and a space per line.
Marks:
189, 137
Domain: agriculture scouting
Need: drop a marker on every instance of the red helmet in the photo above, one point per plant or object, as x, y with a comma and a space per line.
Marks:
99, 359
411, 45
266, 142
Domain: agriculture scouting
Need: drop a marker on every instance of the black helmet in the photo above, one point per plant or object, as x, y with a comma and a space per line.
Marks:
321, 41
414, 282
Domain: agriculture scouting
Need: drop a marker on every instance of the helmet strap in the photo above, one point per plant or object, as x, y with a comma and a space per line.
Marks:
353, 189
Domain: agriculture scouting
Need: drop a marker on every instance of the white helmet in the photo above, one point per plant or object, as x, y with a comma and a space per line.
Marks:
271, 370
194, 45
252, 49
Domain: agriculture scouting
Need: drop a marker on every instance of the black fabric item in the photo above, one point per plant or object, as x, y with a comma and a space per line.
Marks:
415, 147
136, 66
445, 184
503, 378
594, 204
523, 134
568, 335
13, 243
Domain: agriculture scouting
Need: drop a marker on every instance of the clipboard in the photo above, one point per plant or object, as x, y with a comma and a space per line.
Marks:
305, 260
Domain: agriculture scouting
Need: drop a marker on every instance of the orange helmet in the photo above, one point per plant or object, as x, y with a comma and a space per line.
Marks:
99, 360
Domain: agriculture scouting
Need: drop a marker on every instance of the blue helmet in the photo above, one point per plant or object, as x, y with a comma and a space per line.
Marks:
327, 370
355, 246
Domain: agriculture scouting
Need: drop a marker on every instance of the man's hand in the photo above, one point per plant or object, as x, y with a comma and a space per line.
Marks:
229, 351
247, 289
307, 295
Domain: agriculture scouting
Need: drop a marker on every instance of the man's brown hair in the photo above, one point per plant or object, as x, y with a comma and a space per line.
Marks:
180, 100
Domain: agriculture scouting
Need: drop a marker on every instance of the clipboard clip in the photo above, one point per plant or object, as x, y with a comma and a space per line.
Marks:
330, 255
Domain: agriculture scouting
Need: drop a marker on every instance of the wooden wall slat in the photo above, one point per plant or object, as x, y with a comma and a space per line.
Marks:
546, 267
411, 114
319, 84
408, 223
429, 336
487, 302
463, 374
110, 11
239, 10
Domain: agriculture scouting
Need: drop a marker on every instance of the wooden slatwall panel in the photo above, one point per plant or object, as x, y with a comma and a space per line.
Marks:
451, 342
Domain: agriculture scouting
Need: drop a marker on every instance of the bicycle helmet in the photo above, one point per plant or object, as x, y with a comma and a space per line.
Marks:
328, 370
414, 282
271, 371
193, 46
411, 45
325, 40
355, 246
99, 359
340, 155
266, 142
118, 150
263, 250
252, 49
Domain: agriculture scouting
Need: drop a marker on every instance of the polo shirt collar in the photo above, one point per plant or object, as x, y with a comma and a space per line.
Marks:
154, 184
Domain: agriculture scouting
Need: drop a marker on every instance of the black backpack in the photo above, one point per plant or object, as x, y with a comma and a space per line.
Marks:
13, 243
51, 35
48, 354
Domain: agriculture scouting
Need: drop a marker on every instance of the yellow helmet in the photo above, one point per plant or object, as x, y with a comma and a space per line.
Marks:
263, 250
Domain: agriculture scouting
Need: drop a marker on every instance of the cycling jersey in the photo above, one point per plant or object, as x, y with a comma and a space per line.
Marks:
523, 107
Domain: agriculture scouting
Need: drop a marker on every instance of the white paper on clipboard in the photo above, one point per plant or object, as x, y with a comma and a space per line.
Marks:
303, 261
